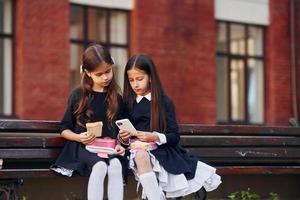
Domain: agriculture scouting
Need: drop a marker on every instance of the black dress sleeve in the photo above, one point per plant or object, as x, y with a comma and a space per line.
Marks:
122, 114
119, 115
68, 121
172, 135
122, 110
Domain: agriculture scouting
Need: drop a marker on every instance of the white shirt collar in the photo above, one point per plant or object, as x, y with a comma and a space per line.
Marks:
139, 97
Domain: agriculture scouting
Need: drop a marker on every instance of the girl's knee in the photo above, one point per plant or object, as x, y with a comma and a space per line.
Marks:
99, 171
115, 164
114, 167
100, 166
142, 157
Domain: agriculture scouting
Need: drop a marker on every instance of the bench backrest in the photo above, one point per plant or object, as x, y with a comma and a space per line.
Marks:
243, 145
38, 143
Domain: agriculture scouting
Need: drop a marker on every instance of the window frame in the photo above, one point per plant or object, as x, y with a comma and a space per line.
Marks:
11, 36
245, 58
85, 41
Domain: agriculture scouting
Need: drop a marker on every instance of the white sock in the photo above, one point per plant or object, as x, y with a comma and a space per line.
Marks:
115, 180
95, 185
150, 186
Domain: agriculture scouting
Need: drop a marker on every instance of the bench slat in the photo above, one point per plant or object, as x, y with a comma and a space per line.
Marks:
246, 152
27, 173
29, 125
238, 130
227, 141
259, 170
41, 142
47, 173
29, 153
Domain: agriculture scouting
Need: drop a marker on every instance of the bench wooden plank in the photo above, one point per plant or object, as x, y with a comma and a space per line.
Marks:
186, 129
34, 142
29, 125
259, 170
246, 152
239, 130
27, 173
187, 141
23, 154
47, 173
228, 141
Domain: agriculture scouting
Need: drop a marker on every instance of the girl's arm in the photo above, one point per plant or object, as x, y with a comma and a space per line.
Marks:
172, 136
84, 137
124, 138
68, 122
120, 150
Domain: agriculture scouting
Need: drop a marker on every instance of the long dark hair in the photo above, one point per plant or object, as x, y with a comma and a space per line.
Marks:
93, 57
158, 115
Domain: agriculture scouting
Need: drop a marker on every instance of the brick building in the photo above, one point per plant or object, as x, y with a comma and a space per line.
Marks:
221, 61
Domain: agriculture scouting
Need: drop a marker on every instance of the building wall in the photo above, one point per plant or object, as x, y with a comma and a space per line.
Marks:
41, 58
297, 46
180, 36
278, 70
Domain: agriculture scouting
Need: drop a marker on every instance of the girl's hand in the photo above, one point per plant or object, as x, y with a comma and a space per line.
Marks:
147, 137
86, 138
120, 150
124, 135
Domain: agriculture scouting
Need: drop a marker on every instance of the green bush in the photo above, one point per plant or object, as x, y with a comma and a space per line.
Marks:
250, 195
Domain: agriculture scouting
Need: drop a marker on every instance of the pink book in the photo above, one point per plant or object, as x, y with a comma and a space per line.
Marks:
102, 146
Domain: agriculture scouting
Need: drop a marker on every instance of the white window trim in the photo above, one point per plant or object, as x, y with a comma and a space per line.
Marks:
7, 62
7, 78
243, 11
117, 4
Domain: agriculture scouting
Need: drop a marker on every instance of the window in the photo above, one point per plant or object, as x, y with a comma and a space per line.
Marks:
240, 73
6, 52
108, 27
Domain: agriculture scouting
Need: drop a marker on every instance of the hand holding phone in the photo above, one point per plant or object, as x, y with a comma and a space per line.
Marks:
126, 125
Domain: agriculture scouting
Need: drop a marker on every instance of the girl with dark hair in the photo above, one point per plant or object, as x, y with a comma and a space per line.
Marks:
165, 170
97, 99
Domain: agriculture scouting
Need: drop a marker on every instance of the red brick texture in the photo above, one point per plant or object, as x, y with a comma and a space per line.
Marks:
41, 58
180, 36
297, 45
278, 71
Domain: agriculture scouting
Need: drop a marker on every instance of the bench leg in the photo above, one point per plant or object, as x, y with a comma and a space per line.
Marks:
9, 189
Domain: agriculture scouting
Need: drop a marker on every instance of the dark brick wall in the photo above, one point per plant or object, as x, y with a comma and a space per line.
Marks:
297, 45
180, 36
41, 58
278, 71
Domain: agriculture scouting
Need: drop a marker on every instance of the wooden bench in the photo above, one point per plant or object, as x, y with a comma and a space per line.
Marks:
28, 148
26, 145
243, 149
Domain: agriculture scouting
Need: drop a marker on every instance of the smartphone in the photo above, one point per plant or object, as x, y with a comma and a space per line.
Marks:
126, 125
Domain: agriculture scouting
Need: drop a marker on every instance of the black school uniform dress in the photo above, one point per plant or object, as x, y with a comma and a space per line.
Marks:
179, 173
74, 158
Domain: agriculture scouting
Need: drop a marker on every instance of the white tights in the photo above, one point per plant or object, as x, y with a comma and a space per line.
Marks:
147, 177
150, 186
115, 181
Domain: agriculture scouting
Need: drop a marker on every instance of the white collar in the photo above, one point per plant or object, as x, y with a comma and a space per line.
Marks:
139, 97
